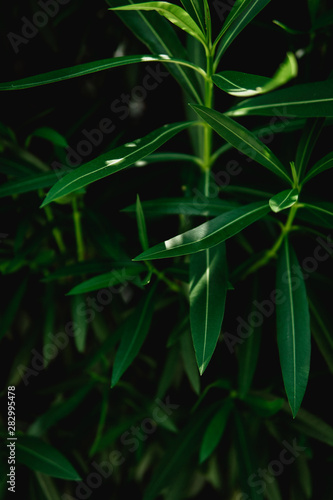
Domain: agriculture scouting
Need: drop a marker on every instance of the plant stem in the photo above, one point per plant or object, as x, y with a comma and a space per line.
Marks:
272, 252
55, 231
78, 230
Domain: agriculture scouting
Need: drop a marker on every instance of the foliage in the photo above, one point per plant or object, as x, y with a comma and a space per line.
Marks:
166, 321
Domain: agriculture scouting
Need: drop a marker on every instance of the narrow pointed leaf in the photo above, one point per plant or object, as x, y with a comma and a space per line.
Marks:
283, 200
50, 135
245, 84
242, 19
199, 205
107, 280
173, 13
189, 361
208, 289
27, 184
308, 141
242, 139
322, 211
196, 10
134, 332
159, 36
92, 67
208, 234
293, 327
314, 99
215, 430
324, 164
40, 456
113, 161
235, 11
141, 224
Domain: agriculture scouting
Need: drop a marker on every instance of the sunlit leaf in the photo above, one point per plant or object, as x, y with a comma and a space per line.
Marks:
113, 161
173, 13
242, 139
313, 99
283, 200
208, 234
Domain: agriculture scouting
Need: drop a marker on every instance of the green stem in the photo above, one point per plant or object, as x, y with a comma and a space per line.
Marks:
78, 230
272, 252
55, 231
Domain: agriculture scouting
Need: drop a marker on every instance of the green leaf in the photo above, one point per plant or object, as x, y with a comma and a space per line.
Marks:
11, 309
245, 84
242, 139
320, 166
135, 330
248, 353
189, 361
242, 17
179, 453
283, 200
173, 13
196, 10
234, 11
198, 205
108, 280
293, 327
208, 289
159, 36
308, 141
40, 456
322, 211
264, 407
113, 161
92, 67
80, 321
27, 184
208, 234
49, 134
215, 430
141, 225
314, 99
321, 333
313, 426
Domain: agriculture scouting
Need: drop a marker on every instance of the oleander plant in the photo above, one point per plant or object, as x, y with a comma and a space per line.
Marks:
166, 250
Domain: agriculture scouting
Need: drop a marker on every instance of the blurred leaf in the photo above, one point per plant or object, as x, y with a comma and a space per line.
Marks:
179, 453
49, 134
40, 456
113, 161
158, 34
214, 430
314, 99
293, 327
12, 308
264, 407
108, 280
208, 289
189, 206
208, 234
283, 200
242, 139
321, 333
322, 210
134, 333
27, 184
80, 321
313, 426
